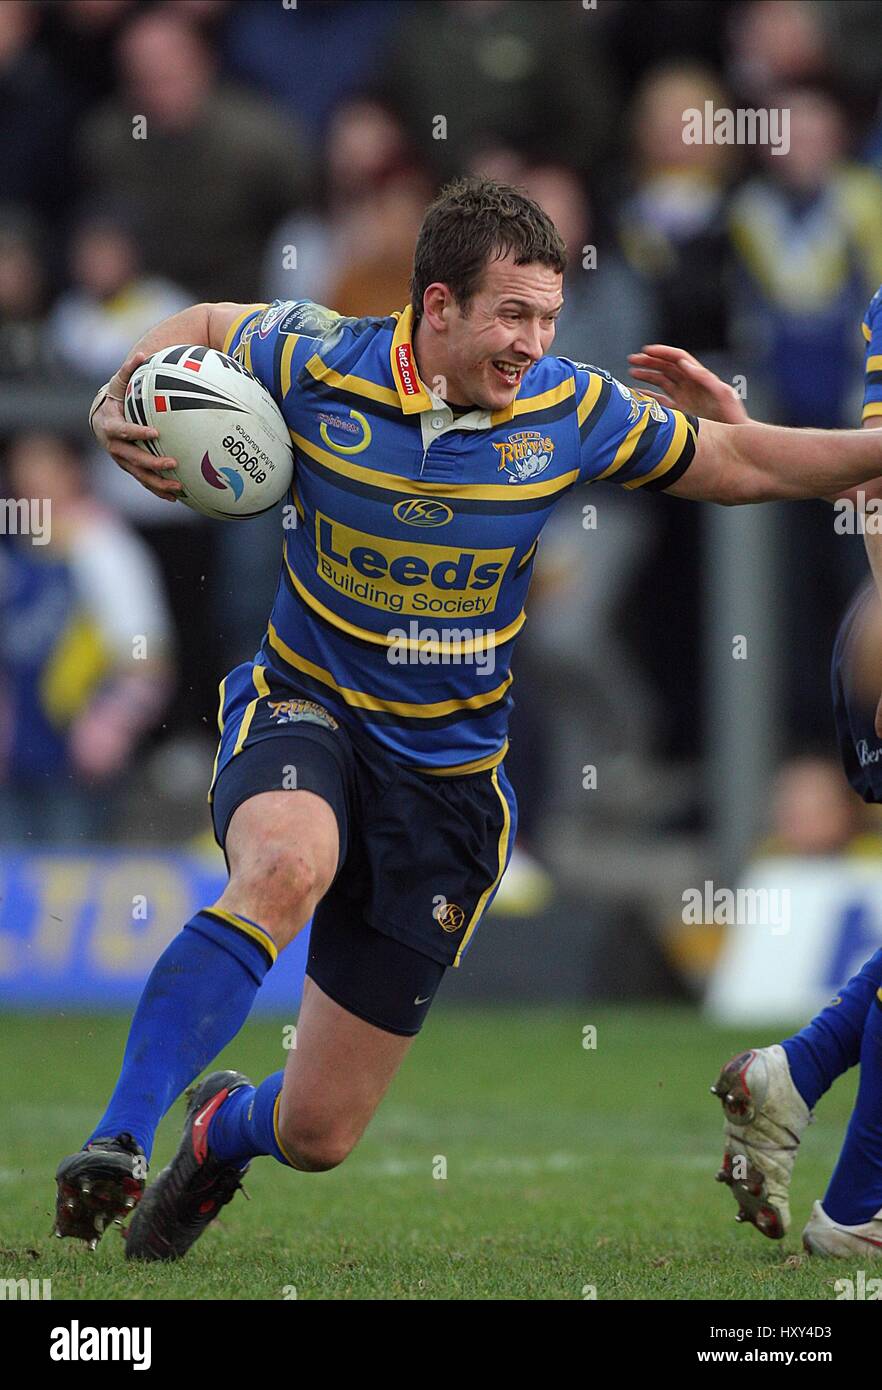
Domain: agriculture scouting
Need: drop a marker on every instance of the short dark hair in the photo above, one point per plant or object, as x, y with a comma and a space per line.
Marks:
473, 220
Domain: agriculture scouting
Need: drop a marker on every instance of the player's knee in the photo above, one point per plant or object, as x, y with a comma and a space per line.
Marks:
314, 1149
278, 887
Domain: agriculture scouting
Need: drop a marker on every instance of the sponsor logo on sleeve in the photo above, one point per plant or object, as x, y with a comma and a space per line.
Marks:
274, 313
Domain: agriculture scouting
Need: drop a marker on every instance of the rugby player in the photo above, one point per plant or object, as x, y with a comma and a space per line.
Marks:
769, 1093
431, 445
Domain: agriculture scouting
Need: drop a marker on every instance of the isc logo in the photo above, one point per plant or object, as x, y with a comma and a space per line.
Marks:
423, 511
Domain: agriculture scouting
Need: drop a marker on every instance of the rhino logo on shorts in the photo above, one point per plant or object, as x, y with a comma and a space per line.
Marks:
301, 712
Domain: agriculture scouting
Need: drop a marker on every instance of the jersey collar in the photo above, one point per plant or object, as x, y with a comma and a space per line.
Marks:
413, 395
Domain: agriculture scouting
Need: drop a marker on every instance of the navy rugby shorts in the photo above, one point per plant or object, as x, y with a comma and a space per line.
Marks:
420, 857
859, 745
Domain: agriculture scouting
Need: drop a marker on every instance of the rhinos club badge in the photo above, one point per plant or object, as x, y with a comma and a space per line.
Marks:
524, 455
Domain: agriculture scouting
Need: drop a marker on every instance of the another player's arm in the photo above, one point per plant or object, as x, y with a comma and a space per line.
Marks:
682, 382
205, 324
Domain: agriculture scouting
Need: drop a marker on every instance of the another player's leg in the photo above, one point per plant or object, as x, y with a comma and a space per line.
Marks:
768, 1094
849, 1220
197, 998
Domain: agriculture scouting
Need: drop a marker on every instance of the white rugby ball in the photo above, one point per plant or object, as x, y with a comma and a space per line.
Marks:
220, 425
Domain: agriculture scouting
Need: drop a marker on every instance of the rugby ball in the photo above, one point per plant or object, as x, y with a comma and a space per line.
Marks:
221, 426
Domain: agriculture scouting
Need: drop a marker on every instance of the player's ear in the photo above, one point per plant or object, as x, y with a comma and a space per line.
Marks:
437, 303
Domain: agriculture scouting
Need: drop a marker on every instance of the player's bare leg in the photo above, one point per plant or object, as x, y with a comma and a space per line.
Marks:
334, 1080
341, 1067
284, 853
282, 849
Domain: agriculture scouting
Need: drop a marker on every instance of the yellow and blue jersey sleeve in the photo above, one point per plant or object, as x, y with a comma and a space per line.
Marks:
872, 331
627, 437
275, 340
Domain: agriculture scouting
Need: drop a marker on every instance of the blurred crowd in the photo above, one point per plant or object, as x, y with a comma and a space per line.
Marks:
155, 153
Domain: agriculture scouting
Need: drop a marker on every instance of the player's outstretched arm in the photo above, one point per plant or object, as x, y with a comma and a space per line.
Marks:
735, 464
205, 324
739, 460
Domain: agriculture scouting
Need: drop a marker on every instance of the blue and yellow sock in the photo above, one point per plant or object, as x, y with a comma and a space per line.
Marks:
246, 1125
831, 1043
199, 994
855, 1191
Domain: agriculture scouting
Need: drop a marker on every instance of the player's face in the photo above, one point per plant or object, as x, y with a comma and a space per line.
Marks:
509, 326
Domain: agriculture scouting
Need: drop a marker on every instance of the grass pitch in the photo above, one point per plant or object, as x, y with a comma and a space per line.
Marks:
566, 1169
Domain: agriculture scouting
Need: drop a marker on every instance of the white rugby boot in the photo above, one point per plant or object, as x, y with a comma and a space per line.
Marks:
765, 1117
824, 1236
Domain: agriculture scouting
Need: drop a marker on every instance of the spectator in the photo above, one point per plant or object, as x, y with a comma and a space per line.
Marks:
776, 44
815, 812
89, 28
366, 146
111, 302
672, 232
311, 58
35, 114
23, 345
582, 576
467, 73
376, 278
643, 34
608, 307
672, 224
806, 235
85, 649
210, 171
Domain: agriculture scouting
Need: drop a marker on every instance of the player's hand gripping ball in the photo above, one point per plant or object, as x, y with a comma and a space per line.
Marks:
220, 425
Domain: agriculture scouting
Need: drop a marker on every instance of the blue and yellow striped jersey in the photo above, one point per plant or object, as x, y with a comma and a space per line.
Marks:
872, 331
405, 572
